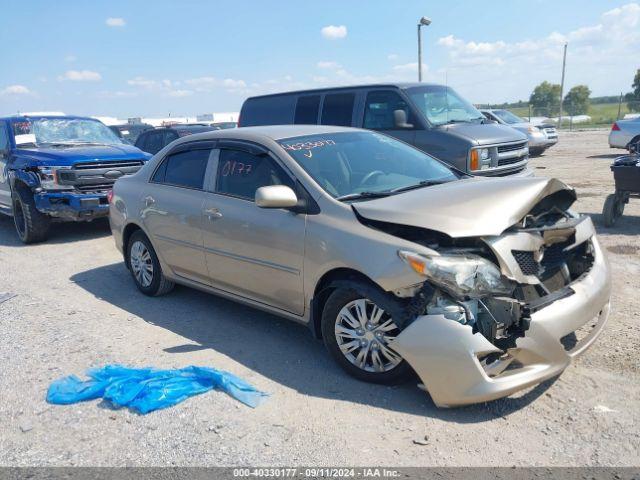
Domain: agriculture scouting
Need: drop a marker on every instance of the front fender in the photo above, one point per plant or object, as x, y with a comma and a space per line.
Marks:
30, 179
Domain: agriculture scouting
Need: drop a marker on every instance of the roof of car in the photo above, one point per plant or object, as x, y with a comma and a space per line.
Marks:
402, 85
271, 132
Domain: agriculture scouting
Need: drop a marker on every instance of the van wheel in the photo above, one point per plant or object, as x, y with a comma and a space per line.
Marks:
145, 268
31, 225
357, 330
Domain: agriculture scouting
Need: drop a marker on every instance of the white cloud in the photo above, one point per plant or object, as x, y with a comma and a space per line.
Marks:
81, 76
327, 65
392, 57
115, 22
408, 67
15, 90
208, 84
142, 82
333, 32
179, 93
598, 55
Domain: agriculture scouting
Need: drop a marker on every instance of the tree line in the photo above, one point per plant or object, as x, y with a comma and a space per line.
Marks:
545, 98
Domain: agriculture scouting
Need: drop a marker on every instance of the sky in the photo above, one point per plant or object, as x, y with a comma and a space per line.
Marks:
159, 58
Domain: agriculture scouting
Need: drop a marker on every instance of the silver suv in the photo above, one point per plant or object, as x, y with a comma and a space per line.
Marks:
482, 286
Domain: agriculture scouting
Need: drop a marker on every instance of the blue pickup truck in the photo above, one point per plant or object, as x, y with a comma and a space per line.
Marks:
59, 168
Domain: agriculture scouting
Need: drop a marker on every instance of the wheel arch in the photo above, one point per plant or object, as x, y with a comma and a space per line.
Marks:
327, 283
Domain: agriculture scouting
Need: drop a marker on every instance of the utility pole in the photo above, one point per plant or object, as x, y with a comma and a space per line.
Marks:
424, 21
564, 64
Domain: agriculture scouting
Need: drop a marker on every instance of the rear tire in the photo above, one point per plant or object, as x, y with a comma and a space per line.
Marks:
388, 367
145, 268
31, 225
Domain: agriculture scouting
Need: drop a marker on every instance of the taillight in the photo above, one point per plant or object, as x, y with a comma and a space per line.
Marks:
615, 127
109, 196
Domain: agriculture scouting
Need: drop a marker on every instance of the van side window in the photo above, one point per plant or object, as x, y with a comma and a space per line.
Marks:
183, 169
338, 109
379, 108
241, 173
307, 110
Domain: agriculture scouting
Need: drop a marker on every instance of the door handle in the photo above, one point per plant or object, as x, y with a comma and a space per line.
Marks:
149, 200
213, 213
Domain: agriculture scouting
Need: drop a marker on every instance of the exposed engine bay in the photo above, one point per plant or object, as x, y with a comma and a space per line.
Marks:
541, 255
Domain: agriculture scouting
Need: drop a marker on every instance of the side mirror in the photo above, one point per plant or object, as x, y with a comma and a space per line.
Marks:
400, 120
276, 196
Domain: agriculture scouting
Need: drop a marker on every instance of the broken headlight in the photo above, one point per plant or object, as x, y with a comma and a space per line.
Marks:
49, 178
464, 275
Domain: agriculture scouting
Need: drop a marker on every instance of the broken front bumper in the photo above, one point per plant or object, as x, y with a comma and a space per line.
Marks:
447, 356
72, 206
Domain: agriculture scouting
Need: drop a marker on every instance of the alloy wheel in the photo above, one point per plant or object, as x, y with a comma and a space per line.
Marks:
141, 263
363, 332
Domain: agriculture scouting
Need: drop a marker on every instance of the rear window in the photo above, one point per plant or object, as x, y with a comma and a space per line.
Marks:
276, 110
338, 109
307, 110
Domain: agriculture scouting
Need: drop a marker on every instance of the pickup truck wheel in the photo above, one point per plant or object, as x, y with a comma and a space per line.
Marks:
31, 225
357, 330
145, 268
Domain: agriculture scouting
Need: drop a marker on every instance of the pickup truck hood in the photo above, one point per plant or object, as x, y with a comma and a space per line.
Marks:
68, 156
474, 207
485, 133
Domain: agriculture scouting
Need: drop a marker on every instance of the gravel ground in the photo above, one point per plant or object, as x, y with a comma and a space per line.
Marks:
76, 307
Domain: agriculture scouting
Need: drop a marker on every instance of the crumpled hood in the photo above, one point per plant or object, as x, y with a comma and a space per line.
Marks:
474, 207
68, 156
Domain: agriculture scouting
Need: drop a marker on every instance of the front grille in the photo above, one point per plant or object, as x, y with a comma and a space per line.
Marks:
509, 161
109, 165
97, 176
554, 256
526, 262
511, 148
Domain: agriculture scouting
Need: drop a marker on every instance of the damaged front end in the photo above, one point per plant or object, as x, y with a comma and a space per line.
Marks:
503, 312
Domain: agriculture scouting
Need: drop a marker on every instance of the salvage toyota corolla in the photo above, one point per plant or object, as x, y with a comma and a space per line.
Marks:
481, 286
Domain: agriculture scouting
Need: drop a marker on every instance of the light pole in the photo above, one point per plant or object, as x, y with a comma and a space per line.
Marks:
424, 21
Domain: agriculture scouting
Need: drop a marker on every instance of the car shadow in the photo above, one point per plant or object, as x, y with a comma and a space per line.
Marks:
625, 225
281, 350
62, 232
607, 156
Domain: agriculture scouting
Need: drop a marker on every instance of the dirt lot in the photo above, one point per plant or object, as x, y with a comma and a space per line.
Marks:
76, 307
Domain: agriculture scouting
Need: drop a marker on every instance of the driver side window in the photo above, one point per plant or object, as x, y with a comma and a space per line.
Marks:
241, 173
380, 107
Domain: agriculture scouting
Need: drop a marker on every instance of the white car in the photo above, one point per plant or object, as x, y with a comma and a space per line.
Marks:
540, 137
625, 133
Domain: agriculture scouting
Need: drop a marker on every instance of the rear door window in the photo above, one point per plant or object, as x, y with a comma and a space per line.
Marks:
307, 110
337, 109
154, 142
183, 169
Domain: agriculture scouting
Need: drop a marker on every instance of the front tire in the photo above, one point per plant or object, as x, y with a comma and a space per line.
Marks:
145, 267
31, 225
357, 330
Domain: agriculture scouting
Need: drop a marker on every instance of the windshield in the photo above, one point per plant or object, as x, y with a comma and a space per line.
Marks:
360, 164
442, 105
507, 117
64, 131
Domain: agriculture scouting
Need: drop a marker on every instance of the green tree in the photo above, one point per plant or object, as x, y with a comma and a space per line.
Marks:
576, 102
545, 99
633, 98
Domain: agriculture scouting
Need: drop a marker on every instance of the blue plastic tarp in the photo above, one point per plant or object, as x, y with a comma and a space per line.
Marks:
147, 389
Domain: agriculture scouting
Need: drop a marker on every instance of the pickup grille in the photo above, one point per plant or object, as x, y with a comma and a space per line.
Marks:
511, 148
512, 153
90, 176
